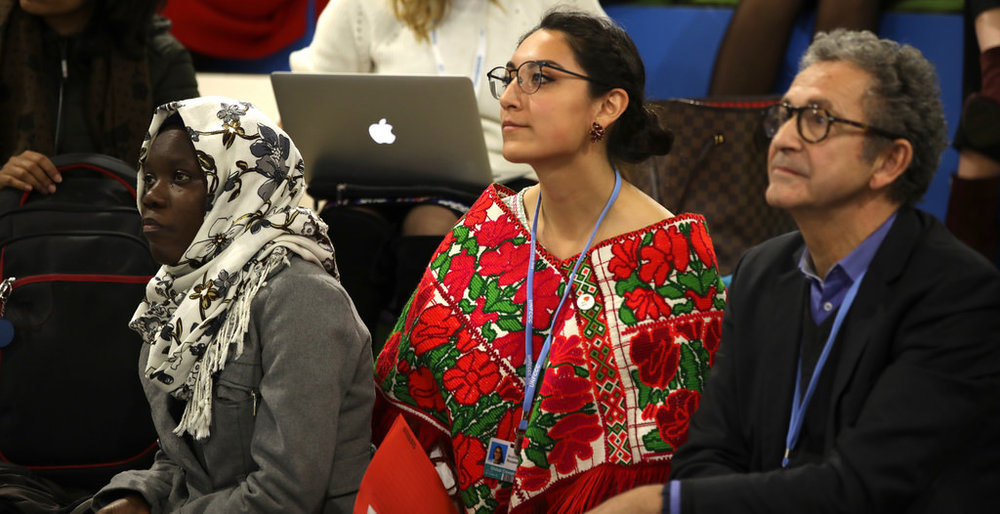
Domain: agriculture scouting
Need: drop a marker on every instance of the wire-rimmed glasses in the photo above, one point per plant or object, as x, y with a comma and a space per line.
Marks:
530, 77
813, 122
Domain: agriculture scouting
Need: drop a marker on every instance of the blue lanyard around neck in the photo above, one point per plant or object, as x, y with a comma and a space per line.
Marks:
799, 402
532, 371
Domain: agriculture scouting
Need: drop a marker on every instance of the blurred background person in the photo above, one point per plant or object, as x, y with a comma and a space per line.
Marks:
82, 76
756, 39
974, 203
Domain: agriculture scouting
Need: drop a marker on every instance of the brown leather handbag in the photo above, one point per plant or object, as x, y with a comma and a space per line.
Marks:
717, 168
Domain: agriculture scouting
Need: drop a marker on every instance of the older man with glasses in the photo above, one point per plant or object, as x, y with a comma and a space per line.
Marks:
860, 356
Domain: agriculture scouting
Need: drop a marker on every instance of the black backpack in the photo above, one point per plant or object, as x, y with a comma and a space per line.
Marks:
71, 405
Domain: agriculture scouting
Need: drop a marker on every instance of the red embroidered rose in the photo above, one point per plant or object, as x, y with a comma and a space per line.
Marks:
646, 303
459, 274
669, 251
479, 317
464, 341
713, 335
424, 390
533, 478
510, 390
474, 375
625, 258
470, 455
546, 300
574, 435
475, 216
492, 233
567, 350
702, 303
702, 244
434, 327
423, 295
508, 424
387, 358
656, 356
563, 391
672, 419
510, 347
503, 260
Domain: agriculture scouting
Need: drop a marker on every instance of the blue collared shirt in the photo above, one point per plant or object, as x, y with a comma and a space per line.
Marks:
826, 295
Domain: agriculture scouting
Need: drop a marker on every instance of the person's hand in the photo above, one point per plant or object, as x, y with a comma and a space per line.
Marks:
30, 171
131, 504
641, 500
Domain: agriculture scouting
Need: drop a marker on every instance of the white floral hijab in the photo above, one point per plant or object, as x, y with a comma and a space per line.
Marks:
196, 313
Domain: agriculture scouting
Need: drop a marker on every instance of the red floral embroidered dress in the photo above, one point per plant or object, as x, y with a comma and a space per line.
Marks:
623, 375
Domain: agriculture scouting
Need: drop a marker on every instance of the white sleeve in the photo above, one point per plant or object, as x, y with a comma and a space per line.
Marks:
341, 41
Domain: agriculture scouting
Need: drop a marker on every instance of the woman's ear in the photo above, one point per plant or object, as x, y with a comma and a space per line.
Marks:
610, 106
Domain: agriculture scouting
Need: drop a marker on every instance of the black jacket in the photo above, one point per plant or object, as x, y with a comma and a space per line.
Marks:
913, 417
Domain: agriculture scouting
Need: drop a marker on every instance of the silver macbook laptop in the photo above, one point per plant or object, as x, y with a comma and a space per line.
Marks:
383, 130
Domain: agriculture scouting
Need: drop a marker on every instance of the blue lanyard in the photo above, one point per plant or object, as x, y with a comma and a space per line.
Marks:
800, 403
532, 371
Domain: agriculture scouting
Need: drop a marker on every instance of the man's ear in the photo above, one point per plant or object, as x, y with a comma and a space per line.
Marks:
611, 106
891, 163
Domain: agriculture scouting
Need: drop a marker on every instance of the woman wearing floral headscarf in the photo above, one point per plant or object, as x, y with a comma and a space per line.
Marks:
256, 366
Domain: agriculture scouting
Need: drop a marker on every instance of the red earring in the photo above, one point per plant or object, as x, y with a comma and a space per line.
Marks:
596, 132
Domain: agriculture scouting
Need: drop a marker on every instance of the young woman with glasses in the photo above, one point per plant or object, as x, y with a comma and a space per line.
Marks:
574, 321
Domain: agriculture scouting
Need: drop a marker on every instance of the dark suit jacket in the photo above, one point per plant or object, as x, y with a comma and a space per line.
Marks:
913, 424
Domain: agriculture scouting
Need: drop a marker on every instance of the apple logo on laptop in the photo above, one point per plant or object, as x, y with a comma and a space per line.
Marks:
381, 132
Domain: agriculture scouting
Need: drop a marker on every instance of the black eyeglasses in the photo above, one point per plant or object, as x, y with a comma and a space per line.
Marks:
813, 122
529, 74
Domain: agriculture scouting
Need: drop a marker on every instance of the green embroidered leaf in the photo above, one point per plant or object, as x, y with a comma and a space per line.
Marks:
442, 357
709, 278
654, 443
471, 247
536, 456
719, 303
546, 421
401, 390
489, 333
538, 436
439, 260
476, 287
492, 294
503, 305
647, 238
691, 281
683, 308
480, 418
510, 324
468, 497
629, 284
647, 395
466, 306
627, 316
690, 368
670, 291
461, 233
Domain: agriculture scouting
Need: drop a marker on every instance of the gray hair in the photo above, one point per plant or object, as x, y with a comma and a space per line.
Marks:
904, 98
